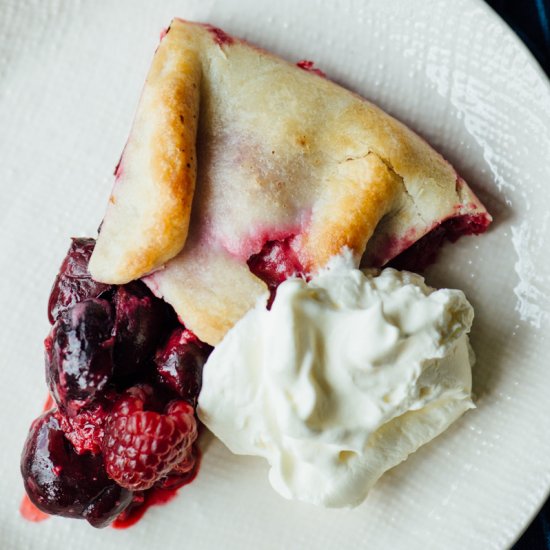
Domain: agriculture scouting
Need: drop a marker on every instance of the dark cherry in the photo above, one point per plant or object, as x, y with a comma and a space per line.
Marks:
424, 252
79, 353
180, 361
74, 282
59, 481
140, 321
108, 505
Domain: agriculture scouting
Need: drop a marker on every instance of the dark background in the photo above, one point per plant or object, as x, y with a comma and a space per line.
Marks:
530, 20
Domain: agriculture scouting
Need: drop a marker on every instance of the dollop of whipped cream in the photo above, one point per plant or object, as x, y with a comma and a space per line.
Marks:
342, 379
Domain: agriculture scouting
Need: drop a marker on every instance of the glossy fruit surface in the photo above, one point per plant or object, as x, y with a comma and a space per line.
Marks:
74, 283
141, 319
180, 361
59, 481
142, 446
276, 262
79, 353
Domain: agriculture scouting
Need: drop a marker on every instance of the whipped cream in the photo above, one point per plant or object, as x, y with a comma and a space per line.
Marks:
341, 380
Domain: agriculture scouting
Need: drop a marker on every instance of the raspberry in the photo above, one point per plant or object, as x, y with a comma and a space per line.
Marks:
142, 446
140, 321
85, 430
183, 473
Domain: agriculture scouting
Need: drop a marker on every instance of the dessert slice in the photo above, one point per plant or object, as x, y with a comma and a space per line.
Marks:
275, 160
265, 151
241, 170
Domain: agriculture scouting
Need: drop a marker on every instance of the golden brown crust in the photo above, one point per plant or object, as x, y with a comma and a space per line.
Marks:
360, 193
148, 216
209, 289
281, 152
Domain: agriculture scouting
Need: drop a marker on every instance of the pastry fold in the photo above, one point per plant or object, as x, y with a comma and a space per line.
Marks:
148, 213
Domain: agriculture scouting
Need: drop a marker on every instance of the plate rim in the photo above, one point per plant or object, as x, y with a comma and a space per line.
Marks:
545, 81
541, 75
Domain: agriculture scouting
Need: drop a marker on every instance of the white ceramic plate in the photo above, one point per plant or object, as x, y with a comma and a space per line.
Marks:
70, 77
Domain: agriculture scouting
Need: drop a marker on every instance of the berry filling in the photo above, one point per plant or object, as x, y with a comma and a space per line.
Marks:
120, 433
424, 252
85, 429
179, 364
74, 283
79, 353
142, 446
141, 320
276, 262
60, 481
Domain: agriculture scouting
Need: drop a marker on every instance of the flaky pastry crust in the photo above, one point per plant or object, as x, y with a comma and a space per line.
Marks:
148, 214
279, 152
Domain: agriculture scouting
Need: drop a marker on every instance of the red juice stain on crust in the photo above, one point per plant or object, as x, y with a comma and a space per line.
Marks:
118, 168
220, 37
309, 66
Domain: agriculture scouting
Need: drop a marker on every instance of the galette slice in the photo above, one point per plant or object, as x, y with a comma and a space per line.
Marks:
269, 155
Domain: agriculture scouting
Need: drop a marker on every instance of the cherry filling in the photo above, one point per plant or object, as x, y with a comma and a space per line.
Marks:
424, 251
124, 375
179, 364
74, 283
59, 481
278, 260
